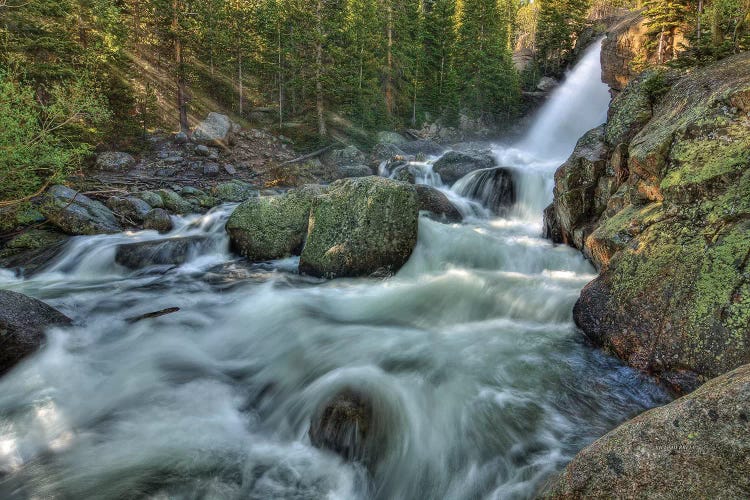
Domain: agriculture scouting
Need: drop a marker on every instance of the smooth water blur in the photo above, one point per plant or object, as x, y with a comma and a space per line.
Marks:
477, 373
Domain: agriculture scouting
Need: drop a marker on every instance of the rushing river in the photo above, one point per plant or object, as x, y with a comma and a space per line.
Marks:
478, 374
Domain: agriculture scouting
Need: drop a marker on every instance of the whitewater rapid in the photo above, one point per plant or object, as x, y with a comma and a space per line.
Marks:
469, 353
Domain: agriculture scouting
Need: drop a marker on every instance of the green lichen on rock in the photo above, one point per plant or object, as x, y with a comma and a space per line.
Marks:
361, 226
234, 191
272, 227
695, 447
674, 242
174, 202
629, 111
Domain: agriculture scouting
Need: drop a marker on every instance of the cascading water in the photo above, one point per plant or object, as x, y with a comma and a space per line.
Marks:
480, 383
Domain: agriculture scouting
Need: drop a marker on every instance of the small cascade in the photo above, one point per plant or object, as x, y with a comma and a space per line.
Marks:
493, 188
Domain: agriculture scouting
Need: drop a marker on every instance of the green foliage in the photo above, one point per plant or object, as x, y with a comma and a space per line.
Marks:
41, 144
559, 24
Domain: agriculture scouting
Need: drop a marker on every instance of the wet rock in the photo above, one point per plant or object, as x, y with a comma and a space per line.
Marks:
173, 251
438, 205
402, 171
215, 129
23, 322
344, 425
361, 226
158, 219
456, 164
551, 229
31, 250
354, 171
423, 147
211, 170
673, 296
76, 214
234, 191
390, 138
115, 161
493, 188
132, 208
694, 447
384, 152
272, 227
576, 183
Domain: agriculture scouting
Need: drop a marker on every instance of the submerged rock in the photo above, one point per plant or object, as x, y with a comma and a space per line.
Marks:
695, 447
361, 226
77, 214
438, 205
23, 321
343, 425
454, 165
173, 251
493, 188
272, 227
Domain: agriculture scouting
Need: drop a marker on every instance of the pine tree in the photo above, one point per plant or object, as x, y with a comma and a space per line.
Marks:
440, 79
664, 18
489, 89
560, 22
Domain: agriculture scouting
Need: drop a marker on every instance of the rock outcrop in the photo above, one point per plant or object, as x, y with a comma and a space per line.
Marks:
695, 447
76, 214
622, 49
23, 321
360, 227
663, 209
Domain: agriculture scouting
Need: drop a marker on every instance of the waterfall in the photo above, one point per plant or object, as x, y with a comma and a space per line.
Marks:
479, 383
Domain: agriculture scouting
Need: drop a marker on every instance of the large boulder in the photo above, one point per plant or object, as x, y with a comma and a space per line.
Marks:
695, 447
494, 188
77, 214
436, 204
384, 152
169, 252
423, 147
390, 138
349, 155
216, 129
454, 165
23, 321
361, 226
667, 223
272, 227
112, 161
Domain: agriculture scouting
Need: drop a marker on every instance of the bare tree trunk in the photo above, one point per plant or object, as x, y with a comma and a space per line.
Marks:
239, 79
319, 105
660, 50
180, 70
389, 75
281, 80
700, 16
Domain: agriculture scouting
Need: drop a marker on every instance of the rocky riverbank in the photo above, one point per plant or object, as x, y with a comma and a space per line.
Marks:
659, 200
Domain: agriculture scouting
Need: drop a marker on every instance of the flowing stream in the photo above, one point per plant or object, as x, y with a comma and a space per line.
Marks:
477, 372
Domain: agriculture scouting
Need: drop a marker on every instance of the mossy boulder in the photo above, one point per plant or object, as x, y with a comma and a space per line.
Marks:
77, 214
695, 447
361, 226
272, 227
152, 198
158, 219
